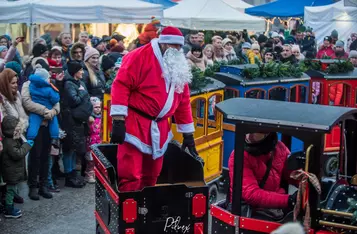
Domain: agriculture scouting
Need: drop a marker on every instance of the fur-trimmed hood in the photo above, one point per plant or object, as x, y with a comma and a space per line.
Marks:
76, 46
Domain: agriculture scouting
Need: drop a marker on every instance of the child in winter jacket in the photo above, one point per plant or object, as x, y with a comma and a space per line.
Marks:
13, 163
44, 93
95, 122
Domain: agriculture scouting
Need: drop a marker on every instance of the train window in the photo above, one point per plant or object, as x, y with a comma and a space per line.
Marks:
230, 93
255, 93
277, 93
214, 117
298, 93
316, 92
199, 116
339, 94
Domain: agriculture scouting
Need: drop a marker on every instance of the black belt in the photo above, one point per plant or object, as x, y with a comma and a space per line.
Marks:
143, 114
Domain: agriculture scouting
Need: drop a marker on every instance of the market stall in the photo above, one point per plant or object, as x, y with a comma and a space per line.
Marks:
210, 15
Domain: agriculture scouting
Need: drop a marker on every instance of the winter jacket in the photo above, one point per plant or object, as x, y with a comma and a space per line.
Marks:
335, 93
150, 32
230, 55
43, 92
251, 56
15, 109
95, 90
193, 61
94, 130
308, 44
14, 153
30, 68
254, 168
344, 56
30, 105
77, 103
326, 52
8, 57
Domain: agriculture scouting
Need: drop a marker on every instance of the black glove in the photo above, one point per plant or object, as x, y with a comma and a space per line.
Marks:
189, 142
292, 200
118, 132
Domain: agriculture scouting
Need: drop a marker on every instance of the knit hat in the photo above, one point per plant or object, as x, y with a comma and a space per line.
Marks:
328, 38
155, 20
73, 67
255, 137
171, 35
107, 63
43, 73
113, 42
2, 48
95, 101
89, 53
290, 40
39, 49
334, 34
255, 46
118, 37
246, 45
308, 29
57, 48
274, 35
15, 66
225, 41
353, 54
95, 41
339, 43
262, 38
47, 37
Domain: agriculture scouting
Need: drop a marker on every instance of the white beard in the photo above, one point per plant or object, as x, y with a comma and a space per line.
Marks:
177, 69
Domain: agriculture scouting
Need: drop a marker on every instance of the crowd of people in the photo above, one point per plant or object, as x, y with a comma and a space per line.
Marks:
51, 100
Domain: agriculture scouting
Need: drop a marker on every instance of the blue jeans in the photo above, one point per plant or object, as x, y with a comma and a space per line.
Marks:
35, 121
69, 161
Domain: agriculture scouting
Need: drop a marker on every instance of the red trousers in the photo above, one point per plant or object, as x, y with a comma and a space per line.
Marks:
135, 169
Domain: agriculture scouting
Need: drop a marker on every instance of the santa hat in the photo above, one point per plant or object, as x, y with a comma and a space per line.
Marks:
171, 35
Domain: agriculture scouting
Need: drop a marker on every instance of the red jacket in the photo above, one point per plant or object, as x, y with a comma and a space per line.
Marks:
150, 32
326, 51
254, 168
335, 93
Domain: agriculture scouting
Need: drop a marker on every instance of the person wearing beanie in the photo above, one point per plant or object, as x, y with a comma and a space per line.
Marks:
95, 125
340, 50
15, 66
254, 54
108, 68
352, 40
290, 40
269, 56
334, 36
229, 52
246, 49
138, 82
95, 81
40, 50
98, 44
308, 45
48, 39
76, 110
262, 39
149, 33
353, 57
8, 54
46, 94
326, 50
262, 152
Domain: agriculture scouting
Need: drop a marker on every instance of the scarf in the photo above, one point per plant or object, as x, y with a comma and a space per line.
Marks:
263, 147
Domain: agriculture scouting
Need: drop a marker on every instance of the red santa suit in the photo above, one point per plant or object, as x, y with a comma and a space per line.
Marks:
147, 99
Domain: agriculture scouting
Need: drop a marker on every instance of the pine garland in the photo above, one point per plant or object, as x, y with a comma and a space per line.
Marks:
272, 69
199, 79
342, 66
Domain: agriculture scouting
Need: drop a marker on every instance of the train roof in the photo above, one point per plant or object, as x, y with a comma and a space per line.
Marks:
214, 86
236, 79
338, 76
278, 114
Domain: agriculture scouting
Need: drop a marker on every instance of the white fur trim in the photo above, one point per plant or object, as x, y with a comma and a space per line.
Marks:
147, 149
158, 55
172, 39
118, 110
185, 128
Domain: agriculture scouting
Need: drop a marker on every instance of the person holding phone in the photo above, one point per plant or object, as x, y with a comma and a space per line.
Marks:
55, 61
7, 55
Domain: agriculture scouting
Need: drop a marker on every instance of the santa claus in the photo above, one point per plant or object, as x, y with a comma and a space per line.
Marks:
150, 87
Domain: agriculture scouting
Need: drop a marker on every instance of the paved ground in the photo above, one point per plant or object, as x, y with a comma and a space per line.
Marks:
69, 212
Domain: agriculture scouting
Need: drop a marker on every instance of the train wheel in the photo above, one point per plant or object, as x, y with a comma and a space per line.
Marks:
213, 193
331, 166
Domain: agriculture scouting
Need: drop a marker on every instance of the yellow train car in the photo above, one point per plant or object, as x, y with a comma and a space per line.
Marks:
208, 130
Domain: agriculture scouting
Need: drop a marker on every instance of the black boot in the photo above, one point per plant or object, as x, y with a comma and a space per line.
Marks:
44, 192
33, 194
72, 181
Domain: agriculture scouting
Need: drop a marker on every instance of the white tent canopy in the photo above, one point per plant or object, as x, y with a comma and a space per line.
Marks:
325, 19
15, 12
210, 15
94, 11
238, 4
